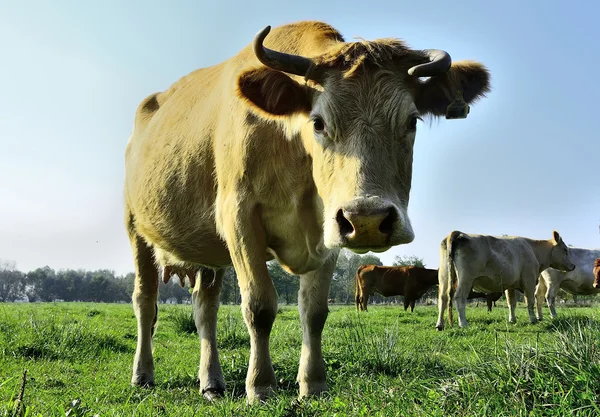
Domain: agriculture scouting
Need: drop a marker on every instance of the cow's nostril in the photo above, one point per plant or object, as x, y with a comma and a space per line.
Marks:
386, 226
344, 224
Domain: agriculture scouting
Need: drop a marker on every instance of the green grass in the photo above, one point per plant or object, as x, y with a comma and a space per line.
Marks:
385, 362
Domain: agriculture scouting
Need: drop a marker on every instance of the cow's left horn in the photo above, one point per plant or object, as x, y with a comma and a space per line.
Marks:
293, 64
439, 63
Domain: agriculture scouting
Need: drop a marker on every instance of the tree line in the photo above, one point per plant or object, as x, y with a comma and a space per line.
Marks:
103, 285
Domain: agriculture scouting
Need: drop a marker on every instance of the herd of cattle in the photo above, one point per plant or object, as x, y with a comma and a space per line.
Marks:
490, 265
299, 145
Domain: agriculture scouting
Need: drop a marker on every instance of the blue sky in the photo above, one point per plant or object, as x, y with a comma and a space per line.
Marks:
525, 161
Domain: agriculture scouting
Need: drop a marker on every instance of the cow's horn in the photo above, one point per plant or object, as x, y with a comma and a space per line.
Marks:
439, 63
293, 64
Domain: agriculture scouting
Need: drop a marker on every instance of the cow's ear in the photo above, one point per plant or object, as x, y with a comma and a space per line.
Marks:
469, 78
273, 93
556, 236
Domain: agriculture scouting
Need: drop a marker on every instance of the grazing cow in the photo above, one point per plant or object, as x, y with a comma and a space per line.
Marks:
597, 273
492, 263
409, 281
490, 298
288, 150
578, 282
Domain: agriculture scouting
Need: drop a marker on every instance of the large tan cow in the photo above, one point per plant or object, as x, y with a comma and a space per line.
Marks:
580, 281
493, 263
292, 150
409, 281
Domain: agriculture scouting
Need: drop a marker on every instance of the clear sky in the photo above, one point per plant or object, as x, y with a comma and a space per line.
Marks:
526, 160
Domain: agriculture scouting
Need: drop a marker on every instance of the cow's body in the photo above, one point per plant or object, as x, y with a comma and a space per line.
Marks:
597, 273
579, 281
491, 264
240, 163
389, 281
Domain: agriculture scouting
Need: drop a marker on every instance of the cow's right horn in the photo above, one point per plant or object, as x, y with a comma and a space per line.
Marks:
293, 64
439, 63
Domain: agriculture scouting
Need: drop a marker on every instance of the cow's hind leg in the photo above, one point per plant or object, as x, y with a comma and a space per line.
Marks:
205, 299
460, 299
144, 298
551, 297
539, 299
312, 305
511, 301
442, 306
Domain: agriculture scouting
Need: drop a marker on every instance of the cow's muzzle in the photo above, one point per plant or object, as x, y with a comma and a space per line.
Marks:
371, 224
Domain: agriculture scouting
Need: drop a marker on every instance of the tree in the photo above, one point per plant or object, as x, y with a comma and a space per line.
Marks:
408, 260
287, 285
12, 282
344, 275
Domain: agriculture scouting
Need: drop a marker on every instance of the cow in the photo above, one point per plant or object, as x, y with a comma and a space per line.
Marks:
409, 281
597, 273
297, 146
578, 282
493, 263
490, 298
412, 282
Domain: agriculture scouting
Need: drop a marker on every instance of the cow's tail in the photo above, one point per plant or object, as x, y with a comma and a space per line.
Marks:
452, 277
358, 293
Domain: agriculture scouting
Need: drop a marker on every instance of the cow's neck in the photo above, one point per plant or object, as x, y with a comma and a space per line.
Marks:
542, 249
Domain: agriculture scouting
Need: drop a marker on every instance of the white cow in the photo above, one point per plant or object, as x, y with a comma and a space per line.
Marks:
579, 281
492, 263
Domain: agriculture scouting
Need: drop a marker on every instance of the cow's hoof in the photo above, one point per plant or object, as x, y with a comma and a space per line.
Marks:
311, 390
212, 394
143, 381
440, 328
258, 394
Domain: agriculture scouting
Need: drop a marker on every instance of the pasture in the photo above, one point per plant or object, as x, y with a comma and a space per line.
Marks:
385, 362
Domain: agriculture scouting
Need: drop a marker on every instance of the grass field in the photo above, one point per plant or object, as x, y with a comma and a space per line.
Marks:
385, 362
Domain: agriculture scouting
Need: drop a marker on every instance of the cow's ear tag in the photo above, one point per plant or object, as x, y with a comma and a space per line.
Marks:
457, 109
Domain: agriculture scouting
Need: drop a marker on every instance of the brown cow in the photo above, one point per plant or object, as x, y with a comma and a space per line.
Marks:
409, 281
597, 273
290, 151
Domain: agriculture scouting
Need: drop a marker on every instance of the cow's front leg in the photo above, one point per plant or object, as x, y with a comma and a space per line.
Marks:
245, 239
144, 298
530, 300
205, 299
312, 305
511, 301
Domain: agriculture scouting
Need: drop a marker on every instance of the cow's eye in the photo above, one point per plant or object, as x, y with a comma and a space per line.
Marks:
412, 123
318, 124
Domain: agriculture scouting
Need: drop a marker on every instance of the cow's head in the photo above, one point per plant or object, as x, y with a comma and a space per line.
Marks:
359, 109
559, 255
